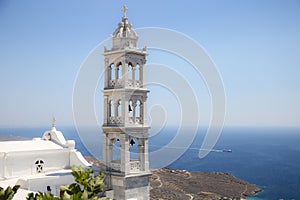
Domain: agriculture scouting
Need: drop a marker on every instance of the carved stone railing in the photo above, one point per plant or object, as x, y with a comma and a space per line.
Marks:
115, 165
132, 83
135, 166
138, 120
119, 83
112, 83
135, 121
116, 120
137, 83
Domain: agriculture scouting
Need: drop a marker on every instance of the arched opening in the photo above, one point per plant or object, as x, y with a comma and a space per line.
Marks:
119, 69
112, 72
137, 72
116, 148
130, 70
119, 108
138, 109
133, 148
112, 108
130, 108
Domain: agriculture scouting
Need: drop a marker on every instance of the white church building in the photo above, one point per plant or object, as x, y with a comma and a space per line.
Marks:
41, 164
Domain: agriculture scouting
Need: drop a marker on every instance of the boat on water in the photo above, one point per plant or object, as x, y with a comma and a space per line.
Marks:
227, 150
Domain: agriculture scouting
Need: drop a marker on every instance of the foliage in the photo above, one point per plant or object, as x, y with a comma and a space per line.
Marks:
8, 193
86, 187
41, 196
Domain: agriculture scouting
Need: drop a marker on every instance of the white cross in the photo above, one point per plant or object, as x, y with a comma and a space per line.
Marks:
124, 9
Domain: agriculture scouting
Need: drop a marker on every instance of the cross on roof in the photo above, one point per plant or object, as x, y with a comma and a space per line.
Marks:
53, 121
124, 9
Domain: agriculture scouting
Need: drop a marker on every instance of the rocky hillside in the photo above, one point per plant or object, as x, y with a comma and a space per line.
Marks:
172, 184
179, 184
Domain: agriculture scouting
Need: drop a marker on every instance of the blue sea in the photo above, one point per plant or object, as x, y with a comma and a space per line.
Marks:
267, 157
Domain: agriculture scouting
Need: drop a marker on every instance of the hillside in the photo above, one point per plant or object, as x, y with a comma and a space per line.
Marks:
171, 184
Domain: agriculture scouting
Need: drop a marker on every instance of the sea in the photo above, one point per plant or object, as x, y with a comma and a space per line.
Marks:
268, 157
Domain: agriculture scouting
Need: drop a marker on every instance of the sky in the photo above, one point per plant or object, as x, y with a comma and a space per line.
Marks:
255, 45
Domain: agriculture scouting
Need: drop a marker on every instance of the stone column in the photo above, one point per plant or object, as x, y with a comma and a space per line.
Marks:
124, 74
107, 72
144, 116
125, 154
146, 157
142, 75
110, 151
133, 110
104, 149
106, 110
116, 73
116, 102
133, 73
141, 153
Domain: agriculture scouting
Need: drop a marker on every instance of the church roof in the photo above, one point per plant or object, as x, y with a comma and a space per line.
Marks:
27, 145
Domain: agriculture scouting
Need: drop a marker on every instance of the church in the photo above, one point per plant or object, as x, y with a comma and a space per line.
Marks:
40, 164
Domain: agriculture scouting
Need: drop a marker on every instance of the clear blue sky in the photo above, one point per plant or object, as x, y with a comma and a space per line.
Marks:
254, 43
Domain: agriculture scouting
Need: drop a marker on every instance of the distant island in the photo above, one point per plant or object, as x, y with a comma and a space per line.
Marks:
167, 184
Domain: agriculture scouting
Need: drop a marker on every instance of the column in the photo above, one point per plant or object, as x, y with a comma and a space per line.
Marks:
106, 110
125, 115
116, 102
133, 110
133, 73
116, 73
145, 110
125, 154
142, 75
106, 81
146, 157
141, 153
141, 112
124, 74
104, 149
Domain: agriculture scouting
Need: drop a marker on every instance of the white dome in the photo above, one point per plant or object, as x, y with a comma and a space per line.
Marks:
124, 37
124, 30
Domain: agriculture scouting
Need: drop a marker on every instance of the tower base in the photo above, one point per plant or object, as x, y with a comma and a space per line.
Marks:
130, 187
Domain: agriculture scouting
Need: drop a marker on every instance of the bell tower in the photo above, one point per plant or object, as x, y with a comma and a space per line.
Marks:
125, 125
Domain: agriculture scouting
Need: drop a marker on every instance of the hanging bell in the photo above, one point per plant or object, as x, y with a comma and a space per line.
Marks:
129, 108
132, 142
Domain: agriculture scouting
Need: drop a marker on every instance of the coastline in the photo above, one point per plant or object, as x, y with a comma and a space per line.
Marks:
168, 183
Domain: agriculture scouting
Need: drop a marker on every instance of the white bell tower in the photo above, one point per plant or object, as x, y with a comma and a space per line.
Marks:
125, 116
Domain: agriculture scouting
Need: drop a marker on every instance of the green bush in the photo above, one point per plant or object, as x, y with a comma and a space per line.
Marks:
8, 193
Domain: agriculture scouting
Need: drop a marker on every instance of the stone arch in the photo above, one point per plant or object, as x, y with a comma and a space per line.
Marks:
116, 148
130, 107
111, 108
119, 108
112, 72
119, 70
137, 72
130, 71
138, 108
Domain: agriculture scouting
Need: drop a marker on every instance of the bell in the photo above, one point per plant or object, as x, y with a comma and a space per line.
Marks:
132, 142
129, 108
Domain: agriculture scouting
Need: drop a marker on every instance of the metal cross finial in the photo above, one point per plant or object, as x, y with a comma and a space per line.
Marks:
124, 9
53, 121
